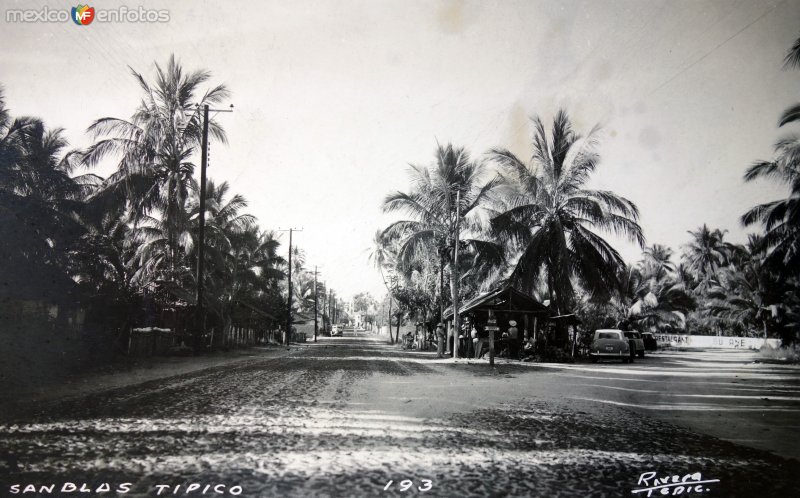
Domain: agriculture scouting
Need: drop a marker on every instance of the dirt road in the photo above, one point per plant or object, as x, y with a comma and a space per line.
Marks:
354, 417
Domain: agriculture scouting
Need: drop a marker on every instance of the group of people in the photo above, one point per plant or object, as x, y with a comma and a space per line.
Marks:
476, 343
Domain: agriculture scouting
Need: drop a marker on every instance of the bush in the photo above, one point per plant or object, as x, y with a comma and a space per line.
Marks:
788, 354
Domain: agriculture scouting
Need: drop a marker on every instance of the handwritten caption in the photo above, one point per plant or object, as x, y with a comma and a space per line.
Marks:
124, 488
672, 485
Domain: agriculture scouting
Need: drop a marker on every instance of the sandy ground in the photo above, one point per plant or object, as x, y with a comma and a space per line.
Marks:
15, 395
354, 417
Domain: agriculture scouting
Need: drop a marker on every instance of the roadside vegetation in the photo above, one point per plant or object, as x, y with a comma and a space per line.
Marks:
104, 255
473, 223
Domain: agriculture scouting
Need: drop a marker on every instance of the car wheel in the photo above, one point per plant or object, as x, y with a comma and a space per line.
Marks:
640, 354
594, 360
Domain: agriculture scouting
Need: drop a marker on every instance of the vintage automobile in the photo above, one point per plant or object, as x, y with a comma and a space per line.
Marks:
336, 330
636, 343
610, 343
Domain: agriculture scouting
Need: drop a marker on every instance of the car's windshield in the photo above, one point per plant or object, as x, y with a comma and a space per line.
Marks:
607, 335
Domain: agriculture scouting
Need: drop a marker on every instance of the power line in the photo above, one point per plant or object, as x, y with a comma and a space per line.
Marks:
717, 47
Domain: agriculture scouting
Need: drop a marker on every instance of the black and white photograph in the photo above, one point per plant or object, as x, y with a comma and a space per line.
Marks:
367, 248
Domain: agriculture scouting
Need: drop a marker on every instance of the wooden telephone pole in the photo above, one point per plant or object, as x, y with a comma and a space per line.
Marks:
316, 323
288, 335
454, 270
201, 236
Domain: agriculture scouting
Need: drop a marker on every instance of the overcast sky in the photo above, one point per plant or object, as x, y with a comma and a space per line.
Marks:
335, 99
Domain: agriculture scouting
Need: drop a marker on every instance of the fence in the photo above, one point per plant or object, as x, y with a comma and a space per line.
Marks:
150, 341
154, 341
712, 341
244, 337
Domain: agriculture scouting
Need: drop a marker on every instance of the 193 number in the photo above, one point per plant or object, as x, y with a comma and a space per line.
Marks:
406, 484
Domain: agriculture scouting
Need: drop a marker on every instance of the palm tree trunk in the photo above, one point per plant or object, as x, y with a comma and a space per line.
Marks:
454, 294
391, 339
441, 289
171, 236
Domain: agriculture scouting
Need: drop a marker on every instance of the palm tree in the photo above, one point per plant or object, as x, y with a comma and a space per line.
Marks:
102, 260
242, 262
154, 148
11, 150
657, 261
780, 218
383, 255
739, 300
261, 268
660, 304
707, 252
657, 298
446, 203
792, 59
550, 219
160, 254
40, 201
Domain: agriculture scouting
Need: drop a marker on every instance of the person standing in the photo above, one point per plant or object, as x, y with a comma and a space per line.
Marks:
513, 340
441, 336
478, 342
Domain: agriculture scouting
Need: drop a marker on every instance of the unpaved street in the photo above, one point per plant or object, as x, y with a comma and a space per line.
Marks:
353, 416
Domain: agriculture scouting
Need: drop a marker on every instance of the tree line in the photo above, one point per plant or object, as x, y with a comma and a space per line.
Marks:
124, 248
473, 224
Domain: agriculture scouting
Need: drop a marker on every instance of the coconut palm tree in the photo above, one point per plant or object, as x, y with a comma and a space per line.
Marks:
242, 261
160, 254
792, 60
383, 255
40, 201
658, 261
102, 259
707, 252
154, 148
446, 202
11, 151
550, 219
660, 304
780, 218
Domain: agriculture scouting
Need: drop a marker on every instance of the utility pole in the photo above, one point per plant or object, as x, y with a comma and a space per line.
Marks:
333, 306
201, 236
324, 302
316, 326
288, 336
454, 270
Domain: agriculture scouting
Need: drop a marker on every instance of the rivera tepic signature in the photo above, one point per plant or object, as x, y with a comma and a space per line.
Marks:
672, 485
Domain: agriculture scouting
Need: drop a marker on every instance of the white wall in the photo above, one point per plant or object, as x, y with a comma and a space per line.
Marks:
710, 341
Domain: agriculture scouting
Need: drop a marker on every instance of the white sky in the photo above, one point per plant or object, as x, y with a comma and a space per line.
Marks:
334, 99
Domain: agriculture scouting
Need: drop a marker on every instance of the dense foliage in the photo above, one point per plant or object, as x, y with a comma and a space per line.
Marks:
536, 226
124, 248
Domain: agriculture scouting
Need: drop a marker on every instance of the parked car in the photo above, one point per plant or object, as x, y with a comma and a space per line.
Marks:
610, 343
650, 342
635, 342
336, 331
